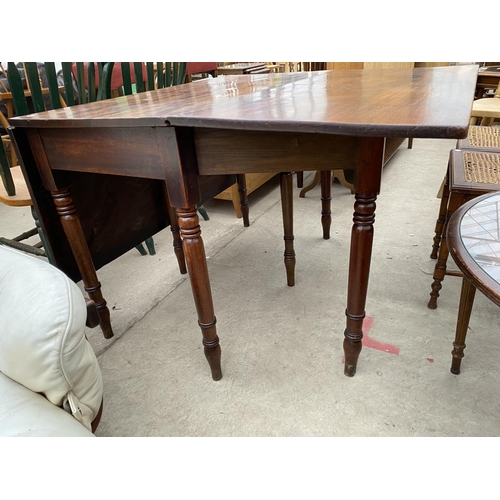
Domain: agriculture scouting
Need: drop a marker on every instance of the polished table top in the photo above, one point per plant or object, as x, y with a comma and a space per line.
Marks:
400, 102
238, 125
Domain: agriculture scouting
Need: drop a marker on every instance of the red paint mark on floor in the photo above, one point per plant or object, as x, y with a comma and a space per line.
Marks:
367, 341
430, 360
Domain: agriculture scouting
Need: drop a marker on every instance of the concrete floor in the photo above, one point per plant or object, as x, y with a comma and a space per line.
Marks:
282, 346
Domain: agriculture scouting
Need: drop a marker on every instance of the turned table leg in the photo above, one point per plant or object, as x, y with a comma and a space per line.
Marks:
242, 191
359, 270
287, 209
326, 202
73, 229
367, 189
300, 179
176, 235
196, 261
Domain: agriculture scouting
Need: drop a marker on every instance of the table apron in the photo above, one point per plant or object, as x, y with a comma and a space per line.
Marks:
243, 152
128, 151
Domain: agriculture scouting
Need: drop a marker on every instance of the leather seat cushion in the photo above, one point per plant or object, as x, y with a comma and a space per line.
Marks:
42, 341
24, 413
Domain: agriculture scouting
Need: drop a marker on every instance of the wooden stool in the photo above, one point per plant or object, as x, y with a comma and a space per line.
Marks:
471, 173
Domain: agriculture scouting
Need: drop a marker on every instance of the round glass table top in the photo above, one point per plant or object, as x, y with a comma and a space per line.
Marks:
480, 234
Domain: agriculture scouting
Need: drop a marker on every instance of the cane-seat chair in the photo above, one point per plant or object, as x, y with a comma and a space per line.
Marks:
471, 173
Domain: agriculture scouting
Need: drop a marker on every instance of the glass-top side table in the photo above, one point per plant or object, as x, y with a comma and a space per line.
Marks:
474, 243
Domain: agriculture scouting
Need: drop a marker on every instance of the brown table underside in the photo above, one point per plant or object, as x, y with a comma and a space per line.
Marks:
116, 212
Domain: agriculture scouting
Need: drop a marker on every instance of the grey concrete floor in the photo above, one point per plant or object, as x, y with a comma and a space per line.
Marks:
282, 352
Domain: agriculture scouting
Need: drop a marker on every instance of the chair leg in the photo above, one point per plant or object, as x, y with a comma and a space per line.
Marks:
287, 209
151, 246
464, 311
314, 183
203, 212
41, 235
326, 202
456, 201
5, 173
140, 248
440, 220
242, 191
410, 142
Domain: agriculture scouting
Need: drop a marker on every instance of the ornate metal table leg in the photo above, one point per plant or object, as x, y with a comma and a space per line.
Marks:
196, 261
287, 208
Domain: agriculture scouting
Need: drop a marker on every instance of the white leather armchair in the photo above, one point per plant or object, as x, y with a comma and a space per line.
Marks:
50, 380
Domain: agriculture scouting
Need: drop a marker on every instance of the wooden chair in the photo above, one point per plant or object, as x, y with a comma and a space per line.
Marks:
471, 173
486, 109
14, 191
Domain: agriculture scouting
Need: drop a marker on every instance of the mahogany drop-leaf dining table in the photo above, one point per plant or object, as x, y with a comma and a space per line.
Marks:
237, 125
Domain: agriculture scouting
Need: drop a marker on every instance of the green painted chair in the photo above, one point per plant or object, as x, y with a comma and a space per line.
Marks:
78, 88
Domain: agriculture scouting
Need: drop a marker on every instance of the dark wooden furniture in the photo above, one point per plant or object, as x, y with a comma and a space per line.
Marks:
474, 242
237, 125
471, 173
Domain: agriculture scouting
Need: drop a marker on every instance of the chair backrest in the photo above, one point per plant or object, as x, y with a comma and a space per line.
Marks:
74, 89
48, 93
140, 77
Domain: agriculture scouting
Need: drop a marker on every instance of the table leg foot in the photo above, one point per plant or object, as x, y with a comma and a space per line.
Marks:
213, 356
352, 350
353, 335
